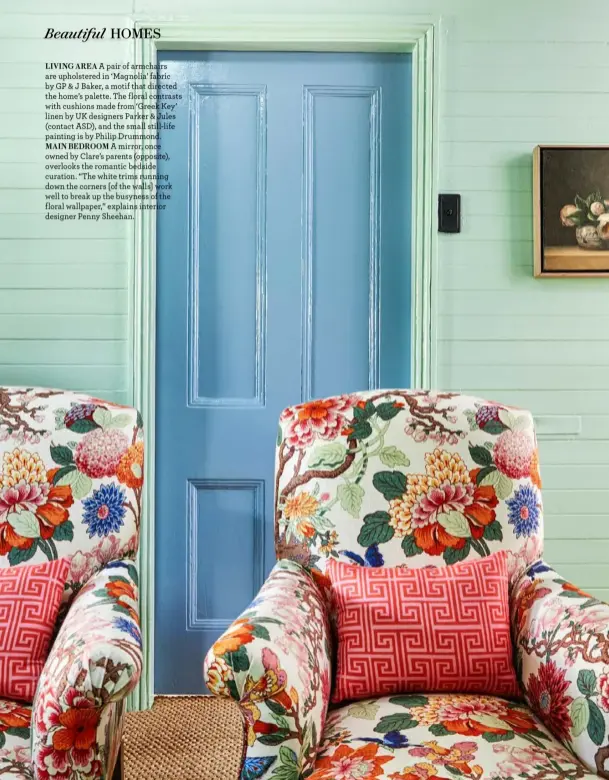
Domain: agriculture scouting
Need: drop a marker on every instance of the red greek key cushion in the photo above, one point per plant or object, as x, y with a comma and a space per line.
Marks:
423, 630
29, 602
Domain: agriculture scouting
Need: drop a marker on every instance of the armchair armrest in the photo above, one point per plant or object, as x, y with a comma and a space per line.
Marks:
95, 661
562, 659
275, 661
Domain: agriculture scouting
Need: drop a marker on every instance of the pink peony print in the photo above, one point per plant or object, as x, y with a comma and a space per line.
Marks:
445, 498
592, 618
81, 567
325, 419
23, 495
109, 549
553, 613
513, 453
99, 452
520, 759
85, 563
527, 554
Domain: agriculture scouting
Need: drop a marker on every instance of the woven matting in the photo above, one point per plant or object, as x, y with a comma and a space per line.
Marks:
184, 738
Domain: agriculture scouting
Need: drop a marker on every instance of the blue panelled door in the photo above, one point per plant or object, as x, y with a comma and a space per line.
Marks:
283, 274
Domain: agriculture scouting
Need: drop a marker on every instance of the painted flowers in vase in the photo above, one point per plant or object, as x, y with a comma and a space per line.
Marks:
590, 218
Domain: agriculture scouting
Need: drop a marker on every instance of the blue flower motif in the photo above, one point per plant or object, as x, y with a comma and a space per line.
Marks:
128, 627
524, 511
117, 565
392, 739
539, 567
104, 510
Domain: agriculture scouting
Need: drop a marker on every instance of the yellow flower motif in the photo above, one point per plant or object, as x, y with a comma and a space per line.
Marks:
300, 507
450, 707
219, 674
252, 715
400, 508
448, 754
426, 767
327, 548
442, 466
22, 466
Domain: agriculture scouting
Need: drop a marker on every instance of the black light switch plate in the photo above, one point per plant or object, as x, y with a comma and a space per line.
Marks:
449, 213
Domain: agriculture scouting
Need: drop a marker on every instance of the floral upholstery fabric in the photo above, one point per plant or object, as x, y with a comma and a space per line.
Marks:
562, 646
440, 736
71, 479
95, 661
275, 661
416, 478
407, 478
15, 759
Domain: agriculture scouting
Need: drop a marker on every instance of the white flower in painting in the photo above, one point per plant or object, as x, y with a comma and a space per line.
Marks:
597, 208
603, 226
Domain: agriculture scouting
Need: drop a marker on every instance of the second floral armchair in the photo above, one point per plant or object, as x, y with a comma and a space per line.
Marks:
71, 478
413, 478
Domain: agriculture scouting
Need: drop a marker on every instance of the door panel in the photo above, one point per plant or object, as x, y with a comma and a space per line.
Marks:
283, 273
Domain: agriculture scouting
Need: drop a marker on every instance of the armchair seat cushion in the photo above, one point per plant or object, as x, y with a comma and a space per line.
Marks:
438, 736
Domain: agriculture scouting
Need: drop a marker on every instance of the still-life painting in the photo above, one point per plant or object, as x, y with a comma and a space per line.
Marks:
571, 210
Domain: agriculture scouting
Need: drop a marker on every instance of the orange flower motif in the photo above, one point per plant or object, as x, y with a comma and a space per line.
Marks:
13, 716
119, 590
130, 470
527, 597
473, 716
49, 503
447, 486
352, 763
55, 511
574, 589
535, 475
316, 410
78, 729
239, 634
514, 720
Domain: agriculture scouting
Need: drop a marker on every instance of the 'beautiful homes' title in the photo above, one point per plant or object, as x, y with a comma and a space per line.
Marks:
93, 34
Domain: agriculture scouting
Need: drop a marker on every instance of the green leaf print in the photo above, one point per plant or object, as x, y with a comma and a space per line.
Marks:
391, 484
351, 497
375, 530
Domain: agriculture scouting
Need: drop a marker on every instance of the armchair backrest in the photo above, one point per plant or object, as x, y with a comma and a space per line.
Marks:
71, 476
407, 477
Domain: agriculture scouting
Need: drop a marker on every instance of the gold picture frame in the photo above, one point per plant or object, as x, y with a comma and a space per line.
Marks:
571, 211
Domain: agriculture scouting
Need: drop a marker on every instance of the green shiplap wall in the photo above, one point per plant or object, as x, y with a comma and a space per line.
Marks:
512, 76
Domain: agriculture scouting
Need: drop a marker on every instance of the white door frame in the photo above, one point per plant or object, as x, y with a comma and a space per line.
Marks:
320, 32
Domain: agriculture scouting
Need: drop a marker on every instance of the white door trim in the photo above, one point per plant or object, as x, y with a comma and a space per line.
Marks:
320, 32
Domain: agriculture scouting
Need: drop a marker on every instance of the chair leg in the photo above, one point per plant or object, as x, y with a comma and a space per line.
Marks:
119, 770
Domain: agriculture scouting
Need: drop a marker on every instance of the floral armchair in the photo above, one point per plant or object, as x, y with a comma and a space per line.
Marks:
71, 476
412, 478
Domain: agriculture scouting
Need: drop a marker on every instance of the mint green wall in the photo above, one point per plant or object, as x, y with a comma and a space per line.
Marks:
512, 75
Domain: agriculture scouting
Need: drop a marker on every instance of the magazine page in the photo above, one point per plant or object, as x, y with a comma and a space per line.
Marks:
304, 367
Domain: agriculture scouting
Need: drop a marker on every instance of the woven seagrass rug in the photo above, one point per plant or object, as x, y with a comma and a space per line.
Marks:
184, 738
